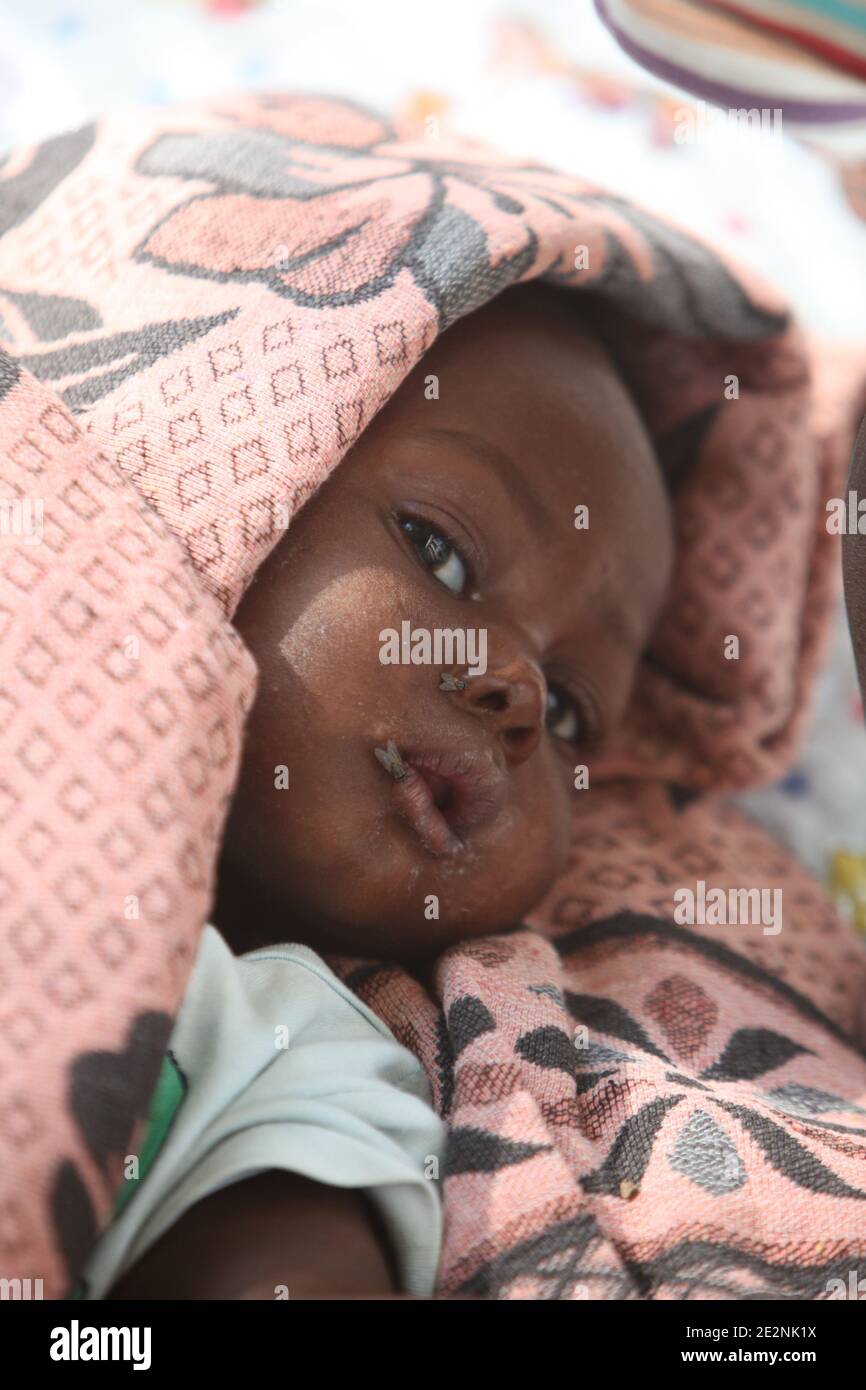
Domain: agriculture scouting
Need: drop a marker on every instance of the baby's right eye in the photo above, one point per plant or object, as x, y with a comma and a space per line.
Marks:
563, 717
437, 553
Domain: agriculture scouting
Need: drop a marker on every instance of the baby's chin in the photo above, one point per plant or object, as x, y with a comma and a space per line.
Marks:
400, 910
386, 894
399, 940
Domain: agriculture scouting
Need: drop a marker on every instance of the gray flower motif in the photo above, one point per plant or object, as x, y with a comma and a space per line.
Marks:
705, 1155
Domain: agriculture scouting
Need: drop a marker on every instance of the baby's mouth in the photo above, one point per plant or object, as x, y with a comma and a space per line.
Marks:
444, 793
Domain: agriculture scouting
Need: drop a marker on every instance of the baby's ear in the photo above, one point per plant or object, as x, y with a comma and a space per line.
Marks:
854, 560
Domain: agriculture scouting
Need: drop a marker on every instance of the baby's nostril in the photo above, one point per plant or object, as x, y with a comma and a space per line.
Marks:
516, 736
495, 700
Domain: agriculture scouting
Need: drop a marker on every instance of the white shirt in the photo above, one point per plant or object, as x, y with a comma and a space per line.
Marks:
274, 1063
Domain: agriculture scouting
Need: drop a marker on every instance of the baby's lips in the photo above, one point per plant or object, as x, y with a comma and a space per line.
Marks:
477, 785
475, 788
414, 800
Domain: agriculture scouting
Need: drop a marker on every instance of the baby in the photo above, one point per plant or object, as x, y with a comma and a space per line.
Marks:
427, 805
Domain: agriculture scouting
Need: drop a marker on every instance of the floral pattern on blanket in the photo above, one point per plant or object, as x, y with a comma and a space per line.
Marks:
675, 1123
316, 222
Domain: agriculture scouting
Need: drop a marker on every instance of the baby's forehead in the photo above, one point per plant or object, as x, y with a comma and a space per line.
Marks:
526, 352
532, 311
525, 371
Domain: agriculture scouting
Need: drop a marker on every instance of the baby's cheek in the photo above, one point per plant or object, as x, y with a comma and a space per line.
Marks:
332, 646
554, 815
534, 852
553, 864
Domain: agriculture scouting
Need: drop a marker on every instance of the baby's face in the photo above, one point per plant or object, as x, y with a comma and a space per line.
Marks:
451, 514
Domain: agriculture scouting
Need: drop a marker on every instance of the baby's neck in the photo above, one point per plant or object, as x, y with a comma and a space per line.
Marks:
245, 914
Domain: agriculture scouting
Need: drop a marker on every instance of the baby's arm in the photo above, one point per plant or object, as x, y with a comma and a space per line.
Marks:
306, 1170
259, 1238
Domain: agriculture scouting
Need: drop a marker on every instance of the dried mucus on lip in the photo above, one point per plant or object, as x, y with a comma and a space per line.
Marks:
449, 682
390, 759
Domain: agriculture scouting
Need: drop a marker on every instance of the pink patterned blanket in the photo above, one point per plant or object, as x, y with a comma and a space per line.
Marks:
201, 310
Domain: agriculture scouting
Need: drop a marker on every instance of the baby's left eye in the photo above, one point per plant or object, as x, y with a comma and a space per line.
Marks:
563, 717
437, 553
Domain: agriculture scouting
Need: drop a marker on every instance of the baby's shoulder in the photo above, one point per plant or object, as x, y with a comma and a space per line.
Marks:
286, 979
279, 1005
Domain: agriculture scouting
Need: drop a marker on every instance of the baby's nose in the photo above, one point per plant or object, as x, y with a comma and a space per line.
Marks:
512, 700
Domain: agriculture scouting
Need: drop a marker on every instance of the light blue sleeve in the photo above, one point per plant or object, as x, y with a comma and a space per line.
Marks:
286, 1068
